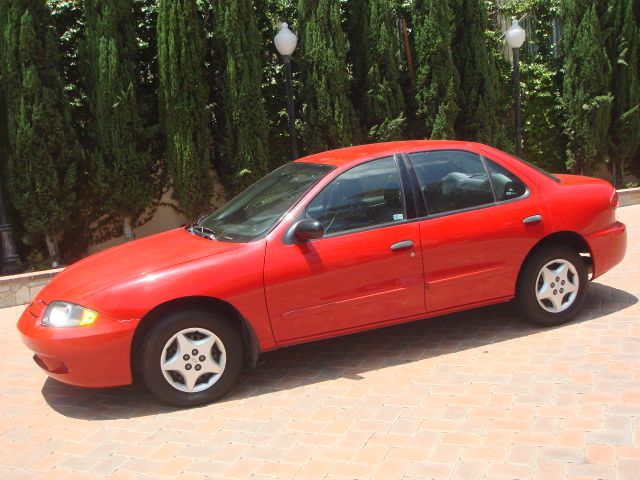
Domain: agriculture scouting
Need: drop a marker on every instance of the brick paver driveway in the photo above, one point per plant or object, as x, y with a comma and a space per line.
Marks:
474, 395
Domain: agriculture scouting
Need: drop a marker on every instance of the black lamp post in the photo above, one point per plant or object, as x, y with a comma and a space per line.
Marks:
515, 38
10, 256
286, 42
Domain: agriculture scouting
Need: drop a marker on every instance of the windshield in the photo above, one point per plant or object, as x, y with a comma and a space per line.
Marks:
256, 210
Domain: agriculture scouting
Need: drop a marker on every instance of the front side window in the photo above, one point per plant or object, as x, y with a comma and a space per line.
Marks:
451, 180
365, 196
256, 210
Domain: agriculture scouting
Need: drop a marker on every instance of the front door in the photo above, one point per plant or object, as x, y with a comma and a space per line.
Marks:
366, 269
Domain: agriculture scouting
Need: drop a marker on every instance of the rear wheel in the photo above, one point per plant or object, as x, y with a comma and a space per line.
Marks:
552, 285
191, 357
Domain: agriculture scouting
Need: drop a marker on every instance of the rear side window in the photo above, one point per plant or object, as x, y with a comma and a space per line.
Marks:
506, 184
451, 180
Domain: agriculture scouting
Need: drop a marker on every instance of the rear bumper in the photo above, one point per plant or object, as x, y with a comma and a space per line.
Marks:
97, 355
608, 247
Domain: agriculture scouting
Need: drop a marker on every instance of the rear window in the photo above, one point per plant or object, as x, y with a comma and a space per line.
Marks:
506, 185
539, 169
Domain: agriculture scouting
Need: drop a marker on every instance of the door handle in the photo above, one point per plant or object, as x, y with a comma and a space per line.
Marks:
402, 245
532, 219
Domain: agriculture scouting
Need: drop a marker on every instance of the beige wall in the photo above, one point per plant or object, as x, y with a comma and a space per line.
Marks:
165, 218
602, 171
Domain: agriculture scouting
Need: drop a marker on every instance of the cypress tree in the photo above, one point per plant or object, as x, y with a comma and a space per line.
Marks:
183, 102
328, 115
437, 78
67, 21
5, 32
246, 128
146, 19
636, 161
121, 164
384, 105
587, 98
356, 13
625, 111
42, 148
478, 94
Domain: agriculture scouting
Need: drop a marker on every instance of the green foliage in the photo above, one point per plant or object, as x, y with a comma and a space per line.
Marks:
269, 15
120, 160
245, 149
142, 84
146, 24
183, 102
479, 96
67, 21
539, 17
544, 143
328, 115
437, 78
355, 19
625, 112
587, 98
384, 106
43, 151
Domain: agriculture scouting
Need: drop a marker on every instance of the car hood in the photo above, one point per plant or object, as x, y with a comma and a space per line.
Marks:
129, 260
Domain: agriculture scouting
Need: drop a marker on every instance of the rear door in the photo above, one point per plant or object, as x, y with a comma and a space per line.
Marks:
366, 269
474, 236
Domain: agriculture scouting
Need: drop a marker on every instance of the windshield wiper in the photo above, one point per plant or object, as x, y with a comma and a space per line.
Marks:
202, 231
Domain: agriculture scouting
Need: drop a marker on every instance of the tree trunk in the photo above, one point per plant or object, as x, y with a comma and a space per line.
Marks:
52, 247
126, 227
620, 176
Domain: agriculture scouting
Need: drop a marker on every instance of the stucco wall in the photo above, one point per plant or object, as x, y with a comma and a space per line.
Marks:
166, 217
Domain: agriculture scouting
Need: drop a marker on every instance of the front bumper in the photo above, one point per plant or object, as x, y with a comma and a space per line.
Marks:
608, 247
96, 355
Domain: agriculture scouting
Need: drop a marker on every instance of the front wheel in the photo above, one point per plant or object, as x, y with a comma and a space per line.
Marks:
191, 357
552, 285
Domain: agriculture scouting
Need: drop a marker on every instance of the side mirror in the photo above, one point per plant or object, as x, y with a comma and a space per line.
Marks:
308, 229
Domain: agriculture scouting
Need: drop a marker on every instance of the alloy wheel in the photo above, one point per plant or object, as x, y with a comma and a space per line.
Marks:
193, 360
557, 285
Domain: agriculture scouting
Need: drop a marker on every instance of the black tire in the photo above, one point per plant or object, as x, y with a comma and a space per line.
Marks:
526, 298
153, 345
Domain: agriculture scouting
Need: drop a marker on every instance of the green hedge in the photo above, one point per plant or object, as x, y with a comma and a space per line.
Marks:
105, 105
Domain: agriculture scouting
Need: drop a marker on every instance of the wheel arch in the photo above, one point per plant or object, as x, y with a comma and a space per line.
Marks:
568, 238
249, 339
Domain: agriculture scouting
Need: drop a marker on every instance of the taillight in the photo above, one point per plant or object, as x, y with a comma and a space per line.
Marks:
614, 199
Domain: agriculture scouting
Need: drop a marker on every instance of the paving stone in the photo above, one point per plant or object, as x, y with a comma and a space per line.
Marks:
478, 394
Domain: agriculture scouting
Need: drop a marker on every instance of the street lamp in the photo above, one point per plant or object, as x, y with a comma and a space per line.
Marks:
515, 38
286, 42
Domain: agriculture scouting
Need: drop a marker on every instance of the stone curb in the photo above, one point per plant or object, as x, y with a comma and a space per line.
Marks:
629, 196
22, 288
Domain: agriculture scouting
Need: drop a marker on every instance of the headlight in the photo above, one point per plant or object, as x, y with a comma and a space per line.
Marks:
64, 314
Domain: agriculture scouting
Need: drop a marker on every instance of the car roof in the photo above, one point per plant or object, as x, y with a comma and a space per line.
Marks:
362, 153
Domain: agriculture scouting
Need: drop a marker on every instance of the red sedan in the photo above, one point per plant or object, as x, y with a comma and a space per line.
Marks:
335, 243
